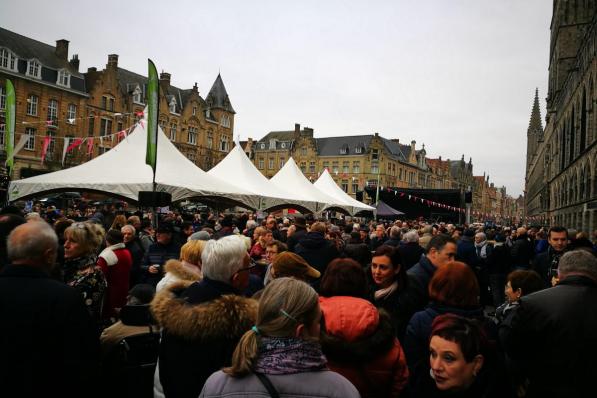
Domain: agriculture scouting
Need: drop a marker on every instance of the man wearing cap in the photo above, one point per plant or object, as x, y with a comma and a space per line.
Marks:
162, 250
289, 264
299, 233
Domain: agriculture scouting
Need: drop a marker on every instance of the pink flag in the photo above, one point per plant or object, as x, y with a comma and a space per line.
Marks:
44, 148
77, 142
89, 145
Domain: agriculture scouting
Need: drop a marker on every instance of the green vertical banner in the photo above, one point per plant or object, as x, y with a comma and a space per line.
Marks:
9, 137
152, 117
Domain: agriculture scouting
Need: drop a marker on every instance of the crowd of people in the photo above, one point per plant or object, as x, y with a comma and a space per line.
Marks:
219, 305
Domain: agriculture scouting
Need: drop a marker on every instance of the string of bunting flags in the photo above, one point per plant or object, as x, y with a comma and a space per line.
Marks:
53, 122
432, 203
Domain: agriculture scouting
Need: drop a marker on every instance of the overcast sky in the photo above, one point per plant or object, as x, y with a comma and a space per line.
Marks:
456, 75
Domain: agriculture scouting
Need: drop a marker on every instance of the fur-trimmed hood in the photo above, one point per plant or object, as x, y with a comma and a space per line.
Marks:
180, 271
228, 316
361, 335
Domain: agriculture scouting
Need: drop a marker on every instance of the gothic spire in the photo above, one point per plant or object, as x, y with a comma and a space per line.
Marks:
535, 124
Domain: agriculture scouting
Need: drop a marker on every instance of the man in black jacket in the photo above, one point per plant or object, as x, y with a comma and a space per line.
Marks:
300, 226
546, 263
522, 250
164, 249
552, 335
48, 343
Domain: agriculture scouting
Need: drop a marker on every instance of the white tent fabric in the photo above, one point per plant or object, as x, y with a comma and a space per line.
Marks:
122, 171
238, 169
326, 183
291, 177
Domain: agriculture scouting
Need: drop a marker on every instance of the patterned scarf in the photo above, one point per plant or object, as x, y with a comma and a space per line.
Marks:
282, 355
387, 291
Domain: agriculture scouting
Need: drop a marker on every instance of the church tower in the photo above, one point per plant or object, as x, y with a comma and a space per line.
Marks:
535, 130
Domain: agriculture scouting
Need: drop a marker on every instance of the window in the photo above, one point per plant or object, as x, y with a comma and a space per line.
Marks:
304, 167
282, 162
270, 164
162, 124
30, 144
91, 130
71, 113
173, 127
192, 136
326, 165
304, 151
137, 95
32, 105
7, 59
355, 187
105, 127
358, 149
374, 154
335, 167
52, 144
399, 174
2, 97
119, 126
210, 140
224, 144
374, 168
311, 167
34, 68
345, 186
191, 157
172, 106
225, 121
63, 78
194, 111
345, 167
261, 164
344, 150
107, 103
356, 167
53, 112
262, 146
283, 145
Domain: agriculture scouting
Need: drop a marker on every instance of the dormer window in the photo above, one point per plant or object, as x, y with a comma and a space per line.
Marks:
8, 60
137, 95
283, 145
262, 146
344, 150
34, 69
63, 78
358, 149
172, 106
272, 144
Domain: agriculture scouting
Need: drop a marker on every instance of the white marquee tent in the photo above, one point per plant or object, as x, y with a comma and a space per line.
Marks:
326, 183
122, 172
238, 169
291, 177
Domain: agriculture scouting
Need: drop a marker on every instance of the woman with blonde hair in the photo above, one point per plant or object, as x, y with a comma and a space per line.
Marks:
281, 355
81, 243
188, 269
119, 222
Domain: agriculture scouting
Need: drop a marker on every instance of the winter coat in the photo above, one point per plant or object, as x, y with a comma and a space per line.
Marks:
48, 341
545, 262
317, 250
552, 339
467, 253
419, 277
360, 344
320, 384
522, 252
410, 253
499, 260
359, 252
158, 254
177, 271
201, 326
134, 319
392, 303
393, 242
115, 262
416, 339
376, 242
137, 252
291, 241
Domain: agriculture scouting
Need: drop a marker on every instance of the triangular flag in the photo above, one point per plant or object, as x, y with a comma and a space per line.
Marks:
44, 148
76, 142
64, 149
89, 146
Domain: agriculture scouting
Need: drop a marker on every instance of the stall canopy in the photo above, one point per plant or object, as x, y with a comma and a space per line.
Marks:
326, 183
383, 210
238, 170
122, 172
290, 177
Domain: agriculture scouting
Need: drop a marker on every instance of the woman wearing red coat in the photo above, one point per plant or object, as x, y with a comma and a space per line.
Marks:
359, 340
116, 262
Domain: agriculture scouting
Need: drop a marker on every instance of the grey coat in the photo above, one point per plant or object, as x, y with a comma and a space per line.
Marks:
323, 384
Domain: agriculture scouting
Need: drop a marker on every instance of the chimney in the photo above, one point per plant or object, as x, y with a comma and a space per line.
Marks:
62, 49
440, 158
297, 128
92, 69
195, 89
112, 61
165, 77
396, 140
74, 62
308, 132
412, 146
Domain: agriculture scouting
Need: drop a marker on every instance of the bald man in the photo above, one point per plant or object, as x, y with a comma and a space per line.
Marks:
48, 344
522, 251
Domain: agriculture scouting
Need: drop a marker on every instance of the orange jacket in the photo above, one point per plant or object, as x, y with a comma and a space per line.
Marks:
360, 344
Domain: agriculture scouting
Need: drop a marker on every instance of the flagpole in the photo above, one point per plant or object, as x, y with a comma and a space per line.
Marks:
152, 127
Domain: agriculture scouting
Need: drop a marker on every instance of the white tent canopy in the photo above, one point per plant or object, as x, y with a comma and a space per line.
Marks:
238, 169
291, 177
326, 183
122, 172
